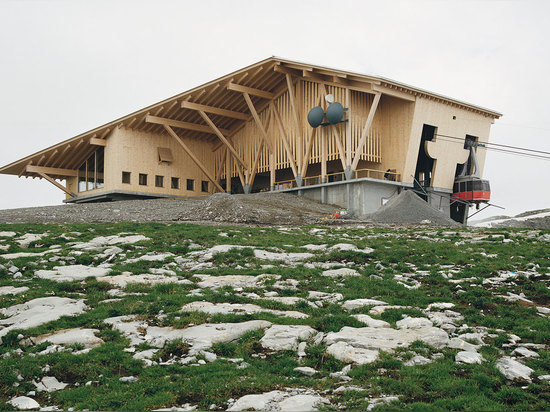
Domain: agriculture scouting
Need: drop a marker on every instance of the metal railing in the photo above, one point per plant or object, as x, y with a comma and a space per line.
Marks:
339, 177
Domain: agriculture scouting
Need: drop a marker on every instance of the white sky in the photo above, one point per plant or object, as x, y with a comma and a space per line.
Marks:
69, 66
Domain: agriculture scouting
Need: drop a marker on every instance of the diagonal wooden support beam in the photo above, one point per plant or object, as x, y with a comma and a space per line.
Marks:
181, 125
365, 133
56, 184
258, 121
340, 146
215, 110
193, 157
52, 171
252, 174
305, 162
289, 154
254, 92
222, 138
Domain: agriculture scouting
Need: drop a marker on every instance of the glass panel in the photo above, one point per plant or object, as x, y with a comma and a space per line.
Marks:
90, 172
100, 166
82, 178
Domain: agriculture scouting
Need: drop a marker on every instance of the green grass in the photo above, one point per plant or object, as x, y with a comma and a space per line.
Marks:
441, 385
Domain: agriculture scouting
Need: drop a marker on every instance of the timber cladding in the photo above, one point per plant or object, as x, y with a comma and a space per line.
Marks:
249, 131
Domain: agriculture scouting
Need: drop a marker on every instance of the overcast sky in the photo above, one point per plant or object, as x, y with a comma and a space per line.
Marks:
69, 66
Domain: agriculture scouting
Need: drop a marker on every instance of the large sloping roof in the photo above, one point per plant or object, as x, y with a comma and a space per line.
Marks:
268, 75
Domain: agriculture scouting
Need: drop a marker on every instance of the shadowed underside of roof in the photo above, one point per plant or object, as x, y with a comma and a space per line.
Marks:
219, 102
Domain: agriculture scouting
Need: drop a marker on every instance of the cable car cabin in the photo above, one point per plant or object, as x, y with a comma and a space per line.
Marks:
472, 189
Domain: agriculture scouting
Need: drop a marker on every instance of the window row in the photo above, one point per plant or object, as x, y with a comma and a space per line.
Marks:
159, 181
90, 173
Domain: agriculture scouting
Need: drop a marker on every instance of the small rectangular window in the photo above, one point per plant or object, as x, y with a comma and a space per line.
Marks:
175, 183
159, 181
143, 179
126, 177
204, 186
190, 184
165, 155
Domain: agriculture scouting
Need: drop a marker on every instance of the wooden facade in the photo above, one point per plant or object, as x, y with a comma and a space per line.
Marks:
248, 131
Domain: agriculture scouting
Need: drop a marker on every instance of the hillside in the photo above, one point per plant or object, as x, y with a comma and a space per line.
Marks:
176, 316
535, 219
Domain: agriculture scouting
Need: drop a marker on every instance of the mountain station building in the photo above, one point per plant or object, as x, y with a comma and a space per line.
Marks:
279, 125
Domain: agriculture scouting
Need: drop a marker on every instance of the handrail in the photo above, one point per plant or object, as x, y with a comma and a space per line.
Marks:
339, 176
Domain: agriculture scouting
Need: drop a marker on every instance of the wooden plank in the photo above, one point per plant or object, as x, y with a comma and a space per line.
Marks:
341, 150
57, 184
50, 157
257, 120
227, 171
348, 129
285, 140
181, 125
218, 173
192, 156
215, 110
51, 170
98, 142
254, 92
252, 174
308, 152
294, 106
394, 93
222, 138
365, 132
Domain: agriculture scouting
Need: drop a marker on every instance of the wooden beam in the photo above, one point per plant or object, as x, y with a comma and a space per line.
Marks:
227, 171
365, 132
51, 171
222, 138
257, 120
395, 93
57, 184
50, 157
181, 125
215, 110
348, 129
252, 173
293, 105
105, 133
193, 157
341, 150
245, 89
98, 142
218, 173
308, 152
285, 140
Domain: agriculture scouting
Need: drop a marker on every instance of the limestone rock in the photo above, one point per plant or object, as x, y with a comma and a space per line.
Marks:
102, 242
359, 303
285, 337
24, 403
234, 281
468, 357
300, 403
354, 354
524, 352
238, 309
282, 256
514, 370
306, 370
39, 311
73, 272
10, 290
127, 278
85, 337
258, 402
418, 360
350, 247
413, 323
342, 272
49, 384
373, 323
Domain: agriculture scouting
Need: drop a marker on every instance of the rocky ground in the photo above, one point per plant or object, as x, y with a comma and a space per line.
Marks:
183, 317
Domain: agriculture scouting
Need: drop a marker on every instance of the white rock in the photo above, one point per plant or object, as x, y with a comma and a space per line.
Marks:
10, 290
49, 384
39, 311
373, 323
543, 311
359, 303
457, 343
342, 272
468, 357
85, 337
306, 370
102, 242
125, 279
350, 247
73, 272
514, 370
282, 256
315, 247
347, 353
258, 402
544, 377
441, 305
301, 351
524, 352
234, 281
387, 339
447, 316
28, 254
128, 379
418, 360
238, 309
300, 403
373, 403
156, 257
199, 337
413, 323
285, 337
25, 240
378, 310
287, 300
24, 403
325, 297
7, 234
